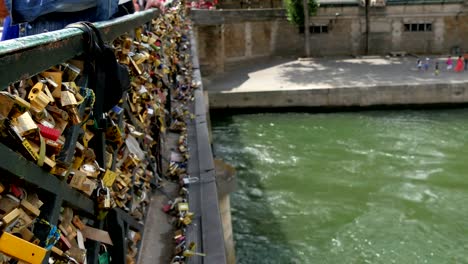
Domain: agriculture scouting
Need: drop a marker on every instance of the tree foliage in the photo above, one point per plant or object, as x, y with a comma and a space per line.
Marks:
295, 10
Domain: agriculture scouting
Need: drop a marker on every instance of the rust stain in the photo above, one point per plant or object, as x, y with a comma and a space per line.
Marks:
58, 44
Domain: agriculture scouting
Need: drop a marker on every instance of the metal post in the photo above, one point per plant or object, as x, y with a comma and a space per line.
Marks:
306, 28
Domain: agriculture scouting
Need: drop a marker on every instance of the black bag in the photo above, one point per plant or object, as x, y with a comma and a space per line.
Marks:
108, 78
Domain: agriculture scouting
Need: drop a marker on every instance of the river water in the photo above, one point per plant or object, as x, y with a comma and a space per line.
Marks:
362, 187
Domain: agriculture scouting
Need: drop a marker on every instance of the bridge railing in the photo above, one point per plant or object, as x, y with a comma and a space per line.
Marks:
23, 58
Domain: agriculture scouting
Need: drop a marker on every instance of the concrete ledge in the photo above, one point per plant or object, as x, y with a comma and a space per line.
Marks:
200, 109
407, 94
204, 148
206, 230
211, 225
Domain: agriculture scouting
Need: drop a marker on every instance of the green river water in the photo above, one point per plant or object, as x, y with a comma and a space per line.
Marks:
362, 187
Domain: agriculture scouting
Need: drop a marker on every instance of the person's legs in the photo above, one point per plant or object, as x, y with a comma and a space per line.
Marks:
9, 31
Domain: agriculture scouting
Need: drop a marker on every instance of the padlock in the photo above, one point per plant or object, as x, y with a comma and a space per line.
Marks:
76, 255
49, 163
88, 135
10, 217
104, 197
152, 39
127, 45
138, 34
8, 203
135, 66
90, 169
113, 134
139, 58
179, 249
38, 97
183, 207
56, 78
178, 233
30, 208
22, 222
69, 104
186, 220
43, 117
109, 178
124, 59
52, 84
59, 113
70, 72
12, 106
78, 223
77, 180
75, 90
88, 187
104, 257
25, 125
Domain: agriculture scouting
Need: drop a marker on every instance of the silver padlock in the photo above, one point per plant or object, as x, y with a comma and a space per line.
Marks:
104, 198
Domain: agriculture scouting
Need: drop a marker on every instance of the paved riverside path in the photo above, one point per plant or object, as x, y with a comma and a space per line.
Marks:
290, 74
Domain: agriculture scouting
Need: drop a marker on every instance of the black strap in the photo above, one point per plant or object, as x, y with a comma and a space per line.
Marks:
92, 35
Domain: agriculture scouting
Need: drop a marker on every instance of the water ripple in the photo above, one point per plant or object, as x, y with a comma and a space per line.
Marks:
371, 187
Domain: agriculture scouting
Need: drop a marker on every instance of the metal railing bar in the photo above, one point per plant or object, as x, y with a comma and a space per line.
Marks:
27, 56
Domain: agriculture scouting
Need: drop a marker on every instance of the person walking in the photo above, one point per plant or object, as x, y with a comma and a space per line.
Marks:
426, 64
459, 66
419, 65
449, 63
436, 68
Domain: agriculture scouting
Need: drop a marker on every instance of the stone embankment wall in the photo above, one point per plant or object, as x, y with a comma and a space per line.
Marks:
344, 97
227, 37
235, 4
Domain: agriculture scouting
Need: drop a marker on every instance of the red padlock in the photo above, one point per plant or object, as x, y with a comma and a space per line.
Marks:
166, 208
50, 133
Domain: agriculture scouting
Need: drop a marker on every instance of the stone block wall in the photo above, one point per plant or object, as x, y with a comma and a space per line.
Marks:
235, 4
227, 37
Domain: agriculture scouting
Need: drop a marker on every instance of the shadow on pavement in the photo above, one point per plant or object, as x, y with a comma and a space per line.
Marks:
283, 74
238, 73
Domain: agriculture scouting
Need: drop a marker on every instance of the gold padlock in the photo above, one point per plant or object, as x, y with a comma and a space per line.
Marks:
38, 98
127, 45
69, 103
56, 77
72, 87
135, 66
25, 124
70, 72
12, 106
123, 58
78, 179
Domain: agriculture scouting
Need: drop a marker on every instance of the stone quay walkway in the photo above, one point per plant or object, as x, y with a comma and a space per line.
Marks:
320, 82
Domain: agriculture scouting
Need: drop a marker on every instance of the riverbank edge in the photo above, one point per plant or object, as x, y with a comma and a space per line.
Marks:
438, 95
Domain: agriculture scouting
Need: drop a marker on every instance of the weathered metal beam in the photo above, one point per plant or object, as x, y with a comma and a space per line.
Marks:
13, 164
24, 57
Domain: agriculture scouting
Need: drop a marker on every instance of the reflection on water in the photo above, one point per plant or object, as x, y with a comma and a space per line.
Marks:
369, 187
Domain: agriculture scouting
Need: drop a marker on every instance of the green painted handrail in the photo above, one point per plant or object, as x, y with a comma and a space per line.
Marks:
27, 56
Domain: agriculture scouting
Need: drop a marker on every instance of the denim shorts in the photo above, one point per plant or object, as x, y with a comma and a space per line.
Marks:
28, 11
